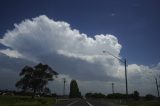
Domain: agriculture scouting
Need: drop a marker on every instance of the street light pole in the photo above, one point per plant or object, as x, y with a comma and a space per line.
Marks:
125, 65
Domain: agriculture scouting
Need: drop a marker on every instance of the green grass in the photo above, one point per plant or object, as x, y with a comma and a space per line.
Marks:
144, 103
25, 101
131, 102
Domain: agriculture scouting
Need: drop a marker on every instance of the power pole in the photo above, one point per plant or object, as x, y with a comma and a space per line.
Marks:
112, 88
159, 82
157, 87
125, 63
64, 80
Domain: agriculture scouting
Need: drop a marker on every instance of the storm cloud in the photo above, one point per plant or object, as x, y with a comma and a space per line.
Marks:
71, 53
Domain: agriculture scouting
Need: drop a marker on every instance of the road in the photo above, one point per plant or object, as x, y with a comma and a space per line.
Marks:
80, 102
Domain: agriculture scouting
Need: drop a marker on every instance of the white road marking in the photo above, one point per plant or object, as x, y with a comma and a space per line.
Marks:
89, 103
73, 103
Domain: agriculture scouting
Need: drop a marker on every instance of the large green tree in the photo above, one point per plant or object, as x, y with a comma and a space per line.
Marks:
74, 90
35, 79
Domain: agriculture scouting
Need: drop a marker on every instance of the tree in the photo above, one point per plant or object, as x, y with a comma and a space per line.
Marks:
47, 91
74, 90
35, 79
136, 95
95, 95
149, 97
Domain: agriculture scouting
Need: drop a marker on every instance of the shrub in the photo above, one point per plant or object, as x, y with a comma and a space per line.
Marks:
149, 97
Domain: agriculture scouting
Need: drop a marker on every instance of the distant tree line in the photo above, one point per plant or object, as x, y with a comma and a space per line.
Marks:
95, 95
135, 95
21, 93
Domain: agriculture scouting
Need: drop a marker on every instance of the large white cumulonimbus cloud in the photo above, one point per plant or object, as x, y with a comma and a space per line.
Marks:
70, 52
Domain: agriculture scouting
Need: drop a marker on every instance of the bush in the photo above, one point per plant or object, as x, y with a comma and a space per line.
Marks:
136, 95
149, 97
95, 95
116, 96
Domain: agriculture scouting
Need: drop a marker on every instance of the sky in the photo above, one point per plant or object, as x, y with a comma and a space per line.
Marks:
71, 35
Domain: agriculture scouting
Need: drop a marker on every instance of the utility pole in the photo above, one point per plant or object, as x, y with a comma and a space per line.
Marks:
112, 88
157, 86
64, 80
125, 64
159, 82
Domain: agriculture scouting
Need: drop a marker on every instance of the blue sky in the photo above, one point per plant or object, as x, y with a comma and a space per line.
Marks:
49, 36
134, 22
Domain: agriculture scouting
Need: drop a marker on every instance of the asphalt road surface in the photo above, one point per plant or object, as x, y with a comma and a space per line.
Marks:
80, 102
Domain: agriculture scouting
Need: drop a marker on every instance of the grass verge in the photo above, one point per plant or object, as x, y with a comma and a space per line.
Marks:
144, 103
25, 101
116, 102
